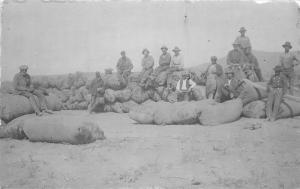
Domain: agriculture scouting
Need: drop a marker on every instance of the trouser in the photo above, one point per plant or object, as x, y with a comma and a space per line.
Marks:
258, 74
160, 69
34, 103
95, 100
183, 96
273, 104
289, 76
145, 75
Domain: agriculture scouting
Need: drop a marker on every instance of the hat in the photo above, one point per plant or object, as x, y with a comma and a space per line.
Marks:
176, 49
229, 71
213, 58
164, 47
145, 50
277, 68
287, 44
23, 67
242, 29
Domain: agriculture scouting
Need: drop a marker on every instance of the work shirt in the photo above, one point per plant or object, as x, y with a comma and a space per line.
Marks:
147, 62
276, 81
177, 61
235, 57
287, 60
165, 59
214, 70
124, 64
22, 82
243, 41
185, 84
97, 83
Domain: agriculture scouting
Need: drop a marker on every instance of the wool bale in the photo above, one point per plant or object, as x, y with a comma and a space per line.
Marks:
139, 95
160, 90
161, 79
153, 95
252, 92
142, 114
165, 93
13, 106
109, 96
172, 97
6, 87
113, 81
40, 82
59, 129
134, 77
107, 108
198, 92
255, 109
220, 113
117, 107
123, 95
129, 105
82, 105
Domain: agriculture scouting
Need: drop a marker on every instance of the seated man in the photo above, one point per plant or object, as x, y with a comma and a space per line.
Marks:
97, 90
124, 66
22, 86
184, 87
236, 59
231, 86
164, 61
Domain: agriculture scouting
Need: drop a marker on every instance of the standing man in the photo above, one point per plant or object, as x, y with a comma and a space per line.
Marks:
236, 59
124, 66
164, 61
23, 87
253, 62
214, 79
147, 65
276, 89
288, 61
184, 87
97, 90
243, 40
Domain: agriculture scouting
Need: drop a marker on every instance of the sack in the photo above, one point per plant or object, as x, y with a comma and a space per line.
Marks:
123, 95
153, 95
55, 128
198, 93
113, 81
161, 79
219, 113
13, 106
109, 96
117, 107
139, 95
142, 114
255, 109
252, 92
172, 97
127, 106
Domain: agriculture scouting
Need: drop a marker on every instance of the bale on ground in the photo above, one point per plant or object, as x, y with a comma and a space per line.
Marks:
13, 106
220, 113
252, 92
55, 129
172, 97
117, 107
139, 95
113, 81
153, 95
109, 96
129, 105
255, 109
142, 114
198, 93
123, 95
162, 77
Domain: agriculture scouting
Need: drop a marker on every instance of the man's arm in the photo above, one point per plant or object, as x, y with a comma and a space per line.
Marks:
192, 83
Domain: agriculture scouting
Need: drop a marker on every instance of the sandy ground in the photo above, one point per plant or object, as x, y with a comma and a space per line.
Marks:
149, 156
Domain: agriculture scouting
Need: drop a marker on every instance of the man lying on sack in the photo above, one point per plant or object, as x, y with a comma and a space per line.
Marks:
23, 87
184, 87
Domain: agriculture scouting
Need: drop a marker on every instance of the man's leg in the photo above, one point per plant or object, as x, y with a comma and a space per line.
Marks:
42, 99
269, 107
32, 101
92, 103
277, 101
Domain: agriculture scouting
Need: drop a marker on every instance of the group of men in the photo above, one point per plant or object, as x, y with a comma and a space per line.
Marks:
241, 64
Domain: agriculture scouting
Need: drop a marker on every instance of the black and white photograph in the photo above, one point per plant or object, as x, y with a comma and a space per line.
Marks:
150, 94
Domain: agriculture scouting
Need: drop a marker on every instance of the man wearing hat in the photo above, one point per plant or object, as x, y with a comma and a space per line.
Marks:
164, 61
231, 87
214, 80
288, 61
124, 66
22, 86
243, 40
276, 88
184, 87
96, 89
147, 67
177, 62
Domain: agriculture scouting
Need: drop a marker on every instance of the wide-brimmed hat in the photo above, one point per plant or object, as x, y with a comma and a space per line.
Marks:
23, 67
145, 50
164, 47
287, 44
213, 58
176, 49
277, 68
242, 29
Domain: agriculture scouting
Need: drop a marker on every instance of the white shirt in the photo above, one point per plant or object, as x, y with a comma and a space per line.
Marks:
184, 88
177, 61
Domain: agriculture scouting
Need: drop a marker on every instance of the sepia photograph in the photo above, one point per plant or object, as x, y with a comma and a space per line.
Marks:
150, 94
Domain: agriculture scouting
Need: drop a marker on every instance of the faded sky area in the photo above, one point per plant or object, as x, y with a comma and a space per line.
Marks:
61, 37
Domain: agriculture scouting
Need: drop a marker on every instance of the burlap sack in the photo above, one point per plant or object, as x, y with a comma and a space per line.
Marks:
129, 105
220, 113
161, 79
198, 93
113, 81
255, 109
172, 97
252, 92
55, 128
153, 95
142, 114
109, 96
139, 95
123, 95
13, 106
117, 107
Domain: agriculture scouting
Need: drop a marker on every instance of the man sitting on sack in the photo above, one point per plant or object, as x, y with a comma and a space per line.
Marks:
184, 87
23, 87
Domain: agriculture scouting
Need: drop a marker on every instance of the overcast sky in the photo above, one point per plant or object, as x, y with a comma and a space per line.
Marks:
55, 37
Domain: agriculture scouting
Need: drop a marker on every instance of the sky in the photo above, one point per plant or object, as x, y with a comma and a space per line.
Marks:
63, 36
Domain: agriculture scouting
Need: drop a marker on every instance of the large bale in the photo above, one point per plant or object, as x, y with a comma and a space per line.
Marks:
113, 81
123, 95
252, 92
139, 95
13, 106
6, 87
40, 82
162, 77
117, 107
153, 95
109, 96
55, 129
129, 105
255, 109
172, 97
79, 80
198, 93
220, 113
142, 114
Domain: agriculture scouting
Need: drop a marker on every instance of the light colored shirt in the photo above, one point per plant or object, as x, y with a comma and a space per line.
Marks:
165, 59
147, 62
177, 61
192, 84
243, 41
287, 59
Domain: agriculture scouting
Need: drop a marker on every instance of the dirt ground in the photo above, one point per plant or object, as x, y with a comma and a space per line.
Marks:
138, 156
